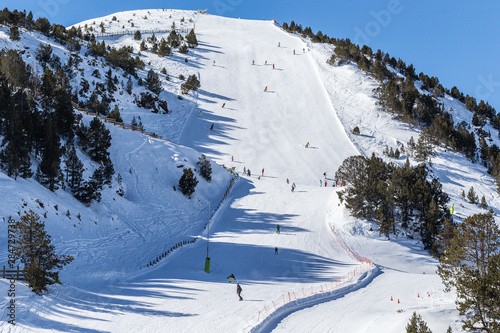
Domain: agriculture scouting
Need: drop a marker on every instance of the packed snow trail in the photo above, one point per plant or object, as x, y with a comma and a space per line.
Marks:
264, 129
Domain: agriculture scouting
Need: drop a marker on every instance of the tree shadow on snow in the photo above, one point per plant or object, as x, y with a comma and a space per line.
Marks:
114, 299
214, 95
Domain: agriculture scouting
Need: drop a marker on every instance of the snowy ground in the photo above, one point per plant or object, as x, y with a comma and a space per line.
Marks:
306, 101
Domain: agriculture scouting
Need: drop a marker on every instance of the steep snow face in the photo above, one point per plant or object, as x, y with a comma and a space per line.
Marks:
265, 129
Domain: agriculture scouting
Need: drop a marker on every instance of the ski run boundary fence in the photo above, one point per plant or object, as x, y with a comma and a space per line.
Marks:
138, 128
131, 32
192, 241
289, 297
16, 274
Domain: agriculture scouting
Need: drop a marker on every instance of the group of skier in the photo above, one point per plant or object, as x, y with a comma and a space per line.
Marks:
248, 173
335, 183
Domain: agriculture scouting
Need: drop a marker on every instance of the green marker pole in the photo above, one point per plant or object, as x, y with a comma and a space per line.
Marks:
207, 259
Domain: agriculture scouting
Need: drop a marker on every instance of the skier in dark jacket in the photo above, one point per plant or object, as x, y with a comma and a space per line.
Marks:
212, 127
231, 277
238, 291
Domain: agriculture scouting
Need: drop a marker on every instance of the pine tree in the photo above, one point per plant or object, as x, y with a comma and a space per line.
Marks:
484, 204
466, 267
353, 170
130, 85
110, 84
364, 64
115, 114
191, 39
15, 69
187, 182
424, 148
137, 35
411, 146
191, 83
417, 325
91, 189
35, 251
143, 46
49, 170
74, 169
173, 39
107, 171
99, 141
402, 180
63, 111
471, 196
183, 49
15, 153
446, 235
164, 49
205, 167
29, 21
14, 34
153, 82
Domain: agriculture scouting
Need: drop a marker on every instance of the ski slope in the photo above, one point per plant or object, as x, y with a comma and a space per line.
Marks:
264, 129
305, 102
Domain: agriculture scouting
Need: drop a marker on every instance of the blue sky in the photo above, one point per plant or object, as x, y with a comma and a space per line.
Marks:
459, 42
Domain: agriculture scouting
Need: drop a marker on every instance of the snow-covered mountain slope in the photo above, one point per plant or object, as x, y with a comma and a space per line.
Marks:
306, 101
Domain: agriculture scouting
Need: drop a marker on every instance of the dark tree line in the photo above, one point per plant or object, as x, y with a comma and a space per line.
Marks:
400, 97
36, 115
21, 19
395, 197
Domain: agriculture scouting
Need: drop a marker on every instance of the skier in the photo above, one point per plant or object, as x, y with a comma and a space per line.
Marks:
249, 174
265, 89
287, 181
201, 112
214, 62
238, 291
275, 250
232, 158
325, 183
324, 174
293, 187
279, 44
303, 50
212, 127
320, 183
244, 170
273, 66
231, 277
258, 178
266, 62
294, 52
223, 105
253, 62
277, 228
307, 145
262, 172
